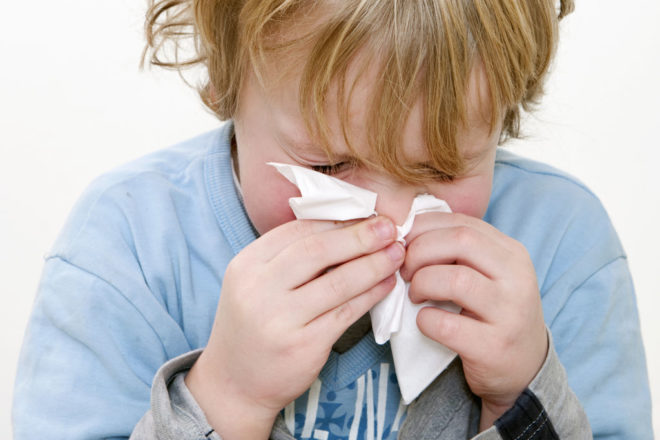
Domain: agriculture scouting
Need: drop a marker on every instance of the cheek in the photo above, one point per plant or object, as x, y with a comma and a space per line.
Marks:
471, 199
267, 201
474, 206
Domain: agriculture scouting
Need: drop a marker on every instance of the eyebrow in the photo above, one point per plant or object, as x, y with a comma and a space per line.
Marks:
298, 143
311, 147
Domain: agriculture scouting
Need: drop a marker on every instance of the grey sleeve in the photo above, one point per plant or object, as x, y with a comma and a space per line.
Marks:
547, 409
174, 413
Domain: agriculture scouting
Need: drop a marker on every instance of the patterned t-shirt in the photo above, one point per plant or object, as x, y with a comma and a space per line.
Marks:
356, 396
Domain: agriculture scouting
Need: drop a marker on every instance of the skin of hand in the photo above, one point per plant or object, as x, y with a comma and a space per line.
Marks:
500, 334
281, 310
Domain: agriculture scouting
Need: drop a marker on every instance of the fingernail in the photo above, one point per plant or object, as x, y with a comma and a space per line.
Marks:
384, 228
395, 251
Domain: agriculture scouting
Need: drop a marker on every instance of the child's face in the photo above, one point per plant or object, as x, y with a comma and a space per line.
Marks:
269, 127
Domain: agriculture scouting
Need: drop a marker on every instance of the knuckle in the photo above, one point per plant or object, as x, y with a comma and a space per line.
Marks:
511, 256
461, 281
235, 265
517, 252
447, 327
337, 284
314, 247
507, 339
344, 314
519, 248
443, 327
463, 235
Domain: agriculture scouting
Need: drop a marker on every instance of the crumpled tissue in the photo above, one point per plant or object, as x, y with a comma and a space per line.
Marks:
418, 360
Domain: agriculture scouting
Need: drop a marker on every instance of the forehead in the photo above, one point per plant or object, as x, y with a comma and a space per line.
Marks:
282, 96
348, 111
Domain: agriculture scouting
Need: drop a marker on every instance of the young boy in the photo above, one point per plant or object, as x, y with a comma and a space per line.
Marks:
188, 270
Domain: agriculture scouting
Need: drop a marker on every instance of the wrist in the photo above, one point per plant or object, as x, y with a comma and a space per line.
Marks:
491, 411
494, 407
229, 412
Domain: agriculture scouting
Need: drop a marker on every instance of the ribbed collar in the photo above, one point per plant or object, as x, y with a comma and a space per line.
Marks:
223, 195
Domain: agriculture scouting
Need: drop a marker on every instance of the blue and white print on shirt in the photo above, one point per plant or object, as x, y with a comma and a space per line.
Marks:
342, 405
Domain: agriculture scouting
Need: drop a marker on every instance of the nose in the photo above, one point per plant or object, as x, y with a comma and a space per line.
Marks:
395, 199
395, 204
394, 196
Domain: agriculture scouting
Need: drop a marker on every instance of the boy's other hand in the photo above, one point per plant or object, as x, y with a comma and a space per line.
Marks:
500, 334
280, 311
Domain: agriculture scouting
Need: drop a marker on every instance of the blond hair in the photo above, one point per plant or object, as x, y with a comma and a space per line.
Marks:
424, 48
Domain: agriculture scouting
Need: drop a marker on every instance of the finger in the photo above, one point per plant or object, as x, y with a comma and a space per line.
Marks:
462, 334
461, 285
349, 280
313, 254
435, 220
462, 245
274, 241
333, 323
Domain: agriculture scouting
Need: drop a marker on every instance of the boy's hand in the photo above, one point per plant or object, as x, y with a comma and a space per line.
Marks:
500, 335
281, 310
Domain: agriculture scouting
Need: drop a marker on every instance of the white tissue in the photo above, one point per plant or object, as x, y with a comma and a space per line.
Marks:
324, 197
417, 359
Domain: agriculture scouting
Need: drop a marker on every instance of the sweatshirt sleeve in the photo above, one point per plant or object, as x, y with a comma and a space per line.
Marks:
547, 409
174, 413
586, 289
79, 374
597, 338
115, 302
132, 281
596, 362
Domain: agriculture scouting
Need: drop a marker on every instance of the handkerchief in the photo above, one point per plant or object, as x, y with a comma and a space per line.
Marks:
417, 359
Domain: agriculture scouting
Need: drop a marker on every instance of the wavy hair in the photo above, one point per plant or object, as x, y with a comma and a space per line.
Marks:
424, 48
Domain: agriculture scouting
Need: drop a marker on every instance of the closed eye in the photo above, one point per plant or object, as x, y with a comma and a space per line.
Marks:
435, 174
331, 169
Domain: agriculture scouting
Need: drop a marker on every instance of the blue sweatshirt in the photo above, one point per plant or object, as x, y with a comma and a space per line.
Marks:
134, 279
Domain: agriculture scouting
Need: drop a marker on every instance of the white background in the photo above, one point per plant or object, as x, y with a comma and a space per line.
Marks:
73, 105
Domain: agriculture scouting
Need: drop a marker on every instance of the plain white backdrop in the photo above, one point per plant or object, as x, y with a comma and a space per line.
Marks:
73, 104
